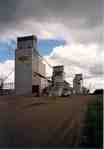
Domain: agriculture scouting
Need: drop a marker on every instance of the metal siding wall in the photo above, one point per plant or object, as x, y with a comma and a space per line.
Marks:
39, 67
23, 72
35, 68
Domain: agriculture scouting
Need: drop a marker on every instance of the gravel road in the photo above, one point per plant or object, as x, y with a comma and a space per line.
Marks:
45, 122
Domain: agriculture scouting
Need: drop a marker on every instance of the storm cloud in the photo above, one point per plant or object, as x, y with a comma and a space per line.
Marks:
78, 22
81, 18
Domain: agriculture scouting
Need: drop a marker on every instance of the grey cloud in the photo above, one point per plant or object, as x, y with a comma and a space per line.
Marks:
84, 17
94, 70
20, 9
97, 70
8, 10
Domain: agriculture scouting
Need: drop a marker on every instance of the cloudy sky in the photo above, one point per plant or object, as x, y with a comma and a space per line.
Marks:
70, 33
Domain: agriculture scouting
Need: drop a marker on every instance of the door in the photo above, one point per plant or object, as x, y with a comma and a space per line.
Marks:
35, 90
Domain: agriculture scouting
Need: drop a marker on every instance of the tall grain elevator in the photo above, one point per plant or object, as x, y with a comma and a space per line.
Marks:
78, 83
29, 68
57, 81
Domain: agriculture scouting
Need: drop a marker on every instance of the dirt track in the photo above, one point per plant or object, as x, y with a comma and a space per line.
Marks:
42, 122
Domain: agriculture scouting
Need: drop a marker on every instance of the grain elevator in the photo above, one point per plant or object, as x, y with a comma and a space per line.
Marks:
29, 68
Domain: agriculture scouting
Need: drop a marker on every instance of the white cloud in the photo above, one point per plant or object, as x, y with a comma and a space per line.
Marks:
5, 69
78, 58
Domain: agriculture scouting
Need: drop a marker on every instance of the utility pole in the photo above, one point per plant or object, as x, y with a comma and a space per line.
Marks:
1, 86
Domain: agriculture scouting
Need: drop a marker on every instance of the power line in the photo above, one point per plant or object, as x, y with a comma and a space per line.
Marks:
39, 56
66, 76
84, 77
44, 59
8, 75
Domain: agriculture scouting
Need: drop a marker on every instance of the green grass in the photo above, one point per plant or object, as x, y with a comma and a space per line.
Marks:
94, 124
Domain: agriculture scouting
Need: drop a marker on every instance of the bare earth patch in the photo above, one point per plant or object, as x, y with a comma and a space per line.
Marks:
42, 122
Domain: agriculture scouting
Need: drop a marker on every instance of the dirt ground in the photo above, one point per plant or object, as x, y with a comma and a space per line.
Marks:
45, 122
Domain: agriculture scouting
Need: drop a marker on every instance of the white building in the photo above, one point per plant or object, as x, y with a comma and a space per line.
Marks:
77, 84
57, 81
29, 68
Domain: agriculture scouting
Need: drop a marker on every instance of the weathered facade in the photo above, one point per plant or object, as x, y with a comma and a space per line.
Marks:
29, 68
57, 81
77, 84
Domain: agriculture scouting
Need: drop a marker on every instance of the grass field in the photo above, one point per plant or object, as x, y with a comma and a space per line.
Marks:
93, 130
